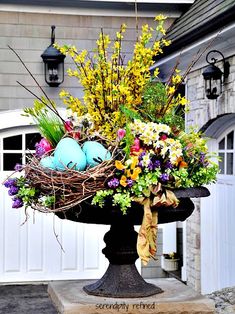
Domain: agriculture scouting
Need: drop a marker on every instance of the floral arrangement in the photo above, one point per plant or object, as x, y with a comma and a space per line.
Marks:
125, 141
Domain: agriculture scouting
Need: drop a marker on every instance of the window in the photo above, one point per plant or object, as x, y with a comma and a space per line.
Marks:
226, 154
15, 148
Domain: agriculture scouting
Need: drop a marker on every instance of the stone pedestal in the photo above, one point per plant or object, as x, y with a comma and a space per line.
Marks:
177, 298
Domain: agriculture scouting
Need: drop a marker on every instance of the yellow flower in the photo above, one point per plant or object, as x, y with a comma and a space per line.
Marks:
160, 17
123, 181
135, 161
171, 90
136, 173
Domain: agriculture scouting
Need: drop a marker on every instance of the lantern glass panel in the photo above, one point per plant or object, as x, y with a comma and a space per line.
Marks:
213, 88
54, 73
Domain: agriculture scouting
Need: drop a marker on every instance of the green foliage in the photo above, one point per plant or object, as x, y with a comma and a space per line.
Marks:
26, 192
100, 196
49, 124
123, 200
145, 180
174, 119
154, 101
48, 201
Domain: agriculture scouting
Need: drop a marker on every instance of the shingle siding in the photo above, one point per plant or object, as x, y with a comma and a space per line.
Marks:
200, 13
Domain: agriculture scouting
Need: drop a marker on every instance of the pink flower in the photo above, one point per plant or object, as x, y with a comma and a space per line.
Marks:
121, 133
45, 144
68, 125
136, 146
163, 137
42, 147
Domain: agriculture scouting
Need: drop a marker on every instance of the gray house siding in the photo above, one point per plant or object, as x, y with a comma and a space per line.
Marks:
29, 35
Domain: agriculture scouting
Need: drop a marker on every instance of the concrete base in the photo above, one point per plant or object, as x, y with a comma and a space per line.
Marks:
177, 298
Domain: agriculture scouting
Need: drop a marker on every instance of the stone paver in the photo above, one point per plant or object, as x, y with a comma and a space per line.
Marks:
177, 298
34, 299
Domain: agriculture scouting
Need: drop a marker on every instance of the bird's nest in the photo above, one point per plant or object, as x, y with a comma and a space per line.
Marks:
68, 188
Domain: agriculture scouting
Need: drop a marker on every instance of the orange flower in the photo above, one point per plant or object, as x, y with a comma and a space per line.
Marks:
183, 164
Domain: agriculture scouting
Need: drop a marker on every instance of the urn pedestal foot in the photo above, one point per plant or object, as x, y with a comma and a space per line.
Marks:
122, 279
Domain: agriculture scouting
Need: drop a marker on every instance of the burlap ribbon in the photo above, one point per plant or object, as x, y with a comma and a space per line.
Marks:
147, 237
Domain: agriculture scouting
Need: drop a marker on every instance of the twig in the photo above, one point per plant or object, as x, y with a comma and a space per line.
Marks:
56, 235
39, 86
41, 100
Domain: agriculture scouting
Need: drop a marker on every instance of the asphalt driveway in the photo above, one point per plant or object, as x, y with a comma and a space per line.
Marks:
25, 299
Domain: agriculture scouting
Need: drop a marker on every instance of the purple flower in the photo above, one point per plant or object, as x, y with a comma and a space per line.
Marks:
203, 160
10, 182
140, 164
113, 183
168, 165
141, 155
151, 166
130, 182
164, 177
157, 164
13, 190
40, 150
18, 167
17, 203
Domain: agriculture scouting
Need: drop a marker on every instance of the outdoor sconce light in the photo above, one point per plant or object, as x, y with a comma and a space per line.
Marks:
53, 63
213, 76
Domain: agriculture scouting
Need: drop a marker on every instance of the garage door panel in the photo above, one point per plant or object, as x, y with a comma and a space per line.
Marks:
31, 252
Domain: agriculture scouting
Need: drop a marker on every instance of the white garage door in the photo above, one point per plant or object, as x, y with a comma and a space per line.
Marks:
30, 251
218, 219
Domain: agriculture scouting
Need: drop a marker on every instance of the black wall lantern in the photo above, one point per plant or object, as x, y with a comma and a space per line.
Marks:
213, 76
53, 63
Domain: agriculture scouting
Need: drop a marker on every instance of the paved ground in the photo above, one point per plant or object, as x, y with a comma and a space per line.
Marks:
33, 299
224, 300
25, 299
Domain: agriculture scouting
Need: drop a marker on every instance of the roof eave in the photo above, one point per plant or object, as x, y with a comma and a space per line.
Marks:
205, 29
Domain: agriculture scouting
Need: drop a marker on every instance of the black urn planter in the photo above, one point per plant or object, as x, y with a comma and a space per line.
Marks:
121, 279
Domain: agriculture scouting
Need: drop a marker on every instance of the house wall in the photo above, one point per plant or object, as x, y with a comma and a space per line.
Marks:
29, 34
201, 111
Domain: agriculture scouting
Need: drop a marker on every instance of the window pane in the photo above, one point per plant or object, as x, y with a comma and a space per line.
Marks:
229, 163
32, 139
222, 144
13, 142
10, 160
230, 140
221, 163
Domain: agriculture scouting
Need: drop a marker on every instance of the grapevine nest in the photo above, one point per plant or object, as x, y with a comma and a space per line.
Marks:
69, 187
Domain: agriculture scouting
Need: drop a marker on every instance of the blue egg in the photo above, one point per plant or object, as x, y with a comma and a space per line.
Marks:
95, 153
68, 154
47, 162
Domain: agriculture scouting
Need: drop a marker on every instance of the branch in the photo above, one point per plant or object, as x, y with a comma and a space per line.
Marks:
44, 93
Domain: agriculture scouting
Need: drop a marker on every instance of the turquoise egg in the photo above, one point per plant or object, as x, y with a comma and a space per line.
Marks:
95, 153
68, 154
48, 162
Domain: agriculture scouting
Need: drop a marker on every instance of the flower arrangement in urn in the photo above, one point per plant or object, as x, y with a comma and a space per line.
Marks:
124, 142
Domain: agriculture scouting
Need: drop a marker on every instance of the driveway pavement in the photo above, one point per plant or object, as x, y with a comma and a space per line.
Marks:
25, 299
